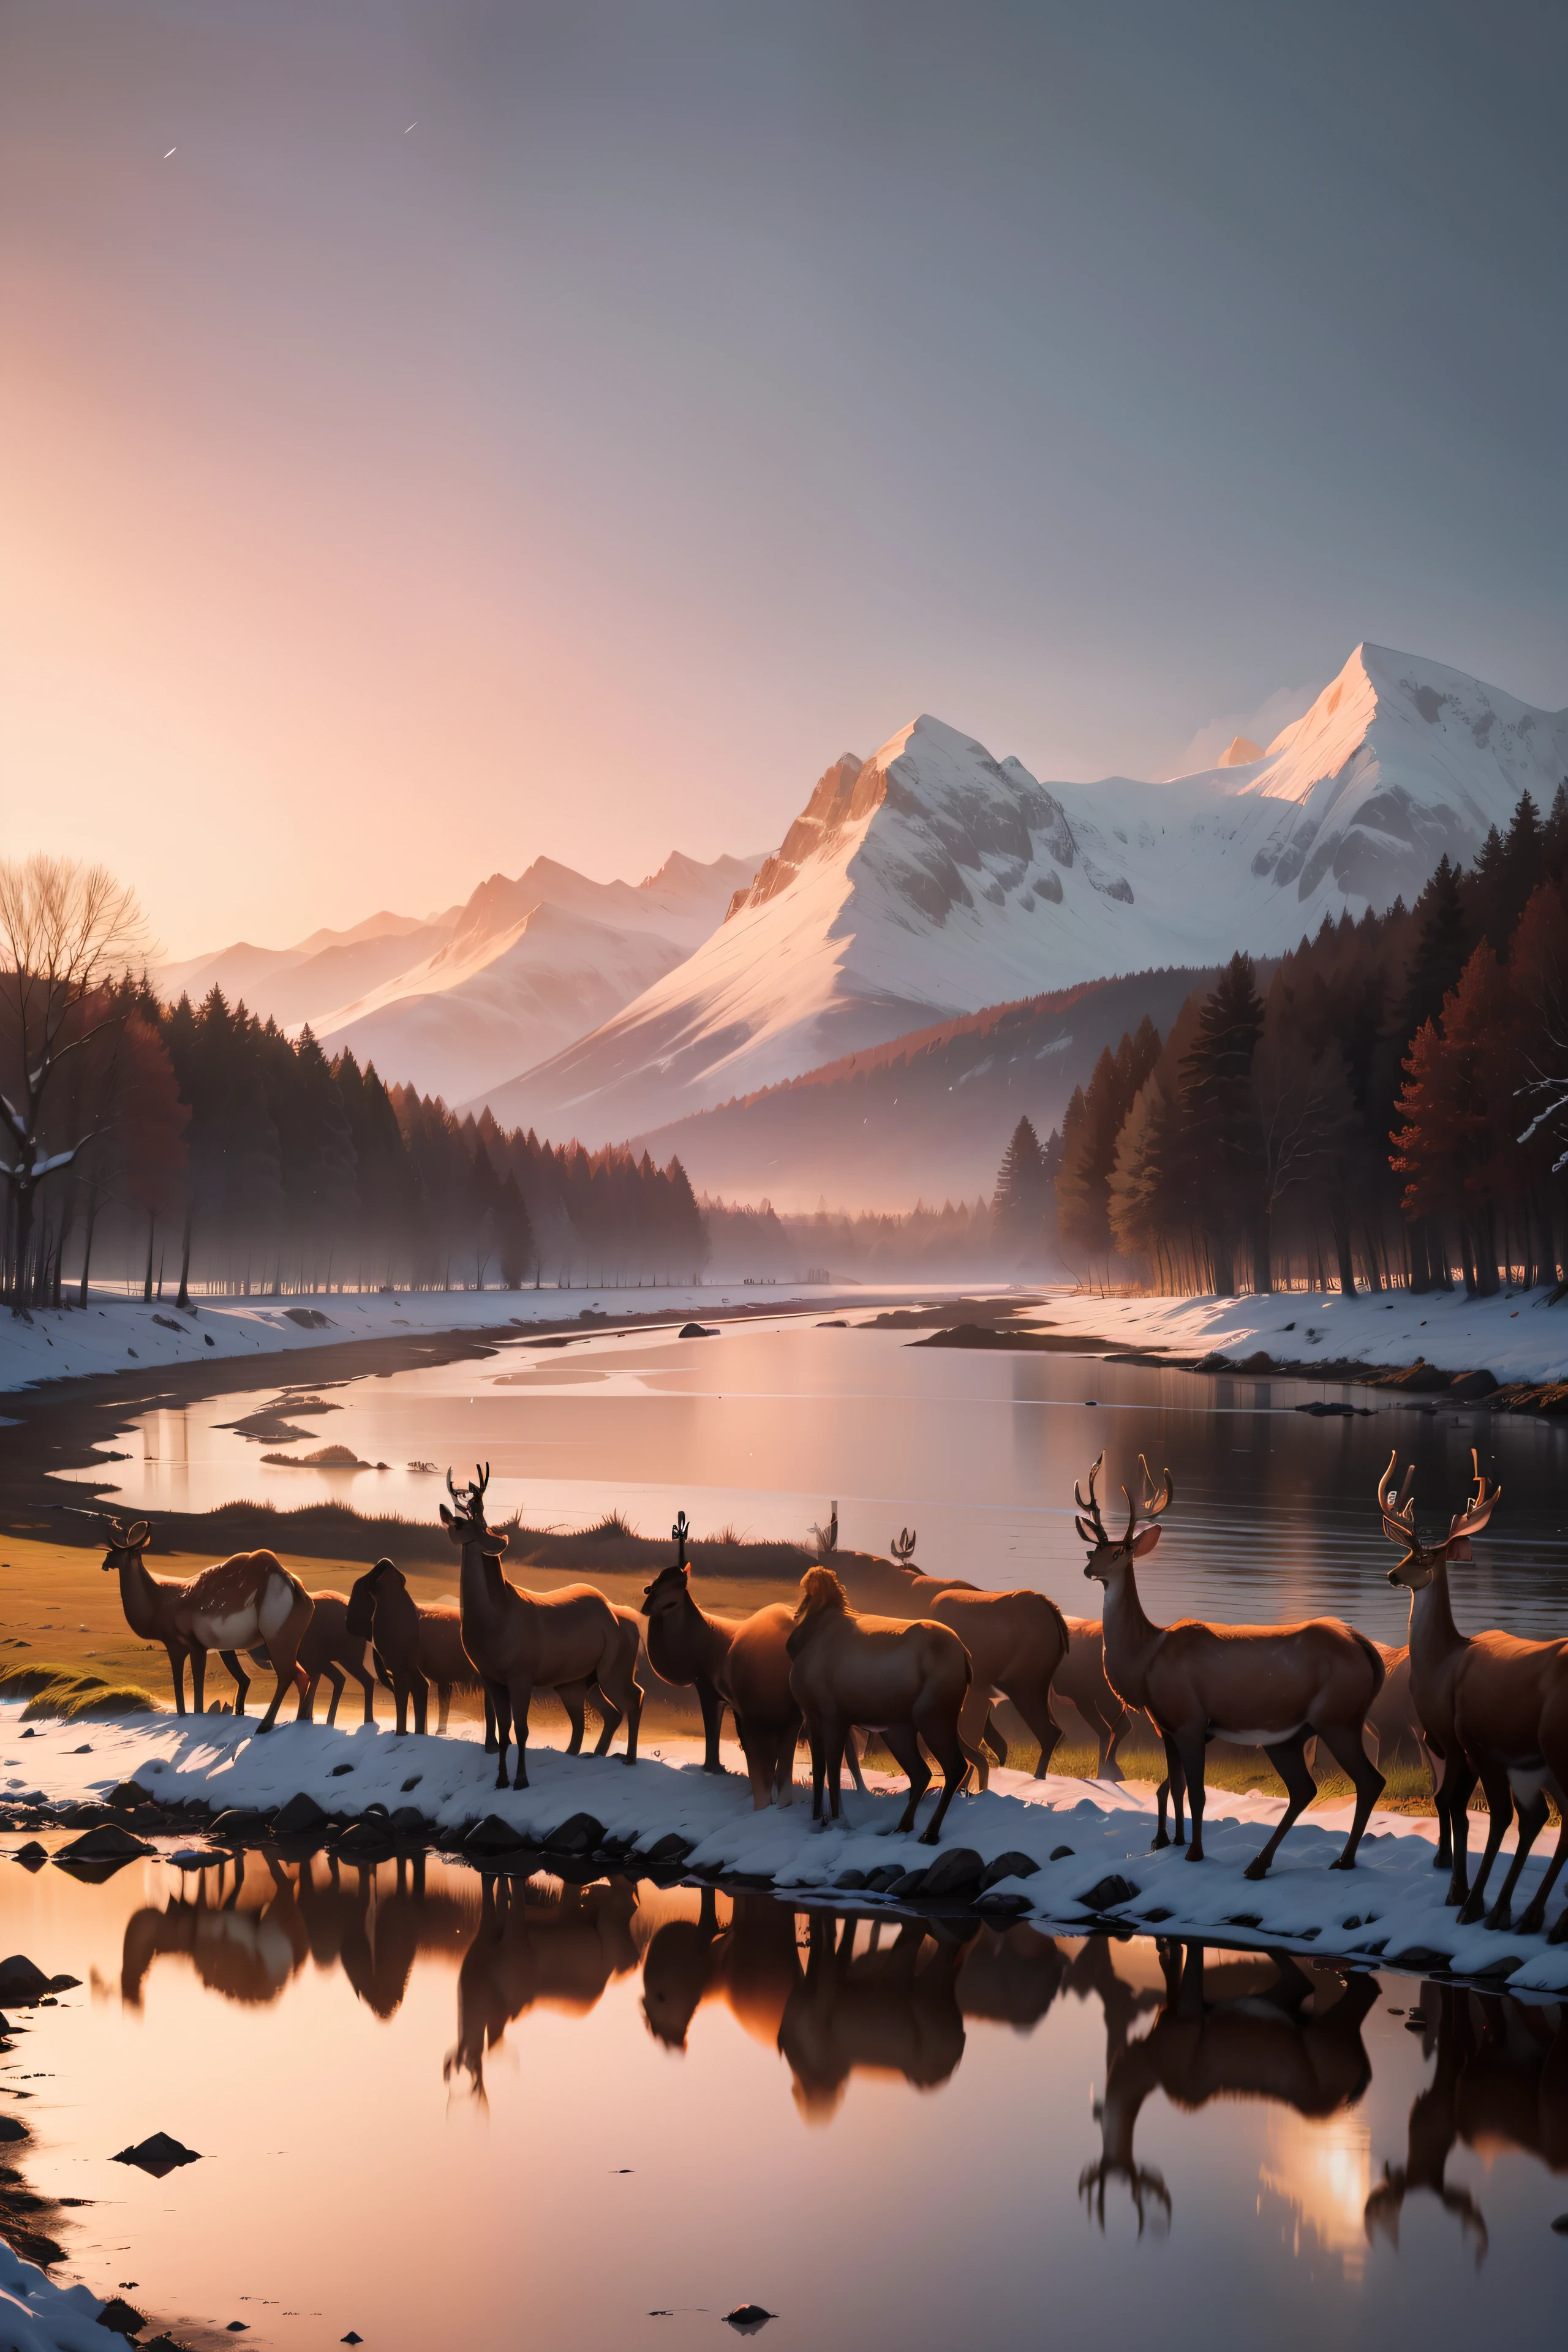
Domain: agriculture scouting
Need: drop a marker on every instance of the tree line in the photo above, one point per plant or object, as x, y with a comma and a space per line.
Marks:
1387, 1106
221, 1155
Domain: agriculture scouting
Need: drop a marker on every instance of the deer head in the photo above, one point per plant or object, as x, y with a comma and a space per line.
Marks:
124, 1546
902, 1546
820, 1591
466, 1523
1397, 1509
670, 1587
1109, 1552
362, 1594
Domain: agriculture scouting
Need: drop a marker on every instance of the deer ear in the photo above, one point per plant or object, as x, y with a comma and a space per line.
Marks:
1461, 1550
1146, 1540
135, 1540
446, 1515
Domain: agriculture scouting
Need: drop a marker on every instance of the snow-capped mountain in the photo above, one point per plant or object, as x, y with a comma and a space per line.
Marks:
455, 1003
933, 880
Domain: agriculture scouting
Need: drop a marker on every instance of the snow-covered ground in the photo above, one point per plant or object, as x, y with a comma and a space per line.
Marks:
36, 2315
1389, 1910
1515, 1337
114, 1332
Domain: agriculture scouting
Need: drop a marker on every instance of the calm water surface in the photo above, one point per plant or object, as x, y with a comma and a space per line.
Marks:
445, 2112
762, 1427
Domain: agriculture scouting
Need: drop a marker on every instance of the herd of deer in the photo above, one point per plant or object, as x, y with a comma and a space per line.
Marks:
1489, 1708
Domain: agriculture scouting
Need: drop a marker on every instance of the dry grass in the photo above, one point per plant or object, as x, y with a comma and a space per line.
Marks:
52, 1689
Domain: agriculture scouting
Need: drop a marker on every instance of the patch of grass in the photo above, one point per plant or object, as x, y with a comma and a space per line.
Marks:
52, 1689
605, 1530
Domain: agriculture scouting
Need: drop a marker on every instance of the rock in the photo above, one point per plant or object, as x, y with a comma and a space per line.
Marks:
1008, 1865
237, 2327
1498, 1968
956, 1872
878, 1882
1108, 1891
128, 1795
1561, 2225
849, 1881
108, 1842
671, 1847
4, 2023
1060, 1852
579, 1833
908, 1882
32, 1856
350, 2338
83, 1817
1419, 1955
411, 1782
1213, 1363
21, 1981
697, 1331
492, 1835
1419, 1380
407, 1821
11, 2129
369, 1837
121, 2318
241, 1823
748, 2317
300, 1817
1259, 1362
339, 1770
159, 2156
1001, 1902
1471, 1385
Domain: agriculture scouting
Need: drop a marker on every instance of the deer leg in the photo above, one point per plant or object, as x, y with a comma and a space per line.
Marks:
498, 1697
490, 1741
834, 1734
818, 1769
305, 1711
609, 1718
972, 1734
1499, 1809
993, 1737
1454, 1801
520, 1694
905, 1746
572, 1697
241, 1679
1346, 1748
712, 1707
177, 1675
854, 1754
400, 1702
198, 1680
443, 1705
633, 1719
368, 1686
1532, 1821
1289, 1757
948, 1749
1036, 1710
419, 1691
335, 1677
1534, 1920
1190, 1768
1171, 1786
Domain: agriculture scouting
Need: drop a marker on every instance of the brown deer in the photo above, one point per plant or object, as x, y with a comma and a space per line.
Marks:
685, 1644
1259, 2044
1080, 1680
532, 1946
330, 1648
570, 1641
417, 1642
890, 2010
907, 1682
1496, 1707
755, 1679
247, 1602
1265, 1686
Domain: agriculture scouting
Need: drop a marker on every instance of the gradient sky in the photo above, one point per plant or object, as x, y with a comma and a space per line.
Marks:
696, 393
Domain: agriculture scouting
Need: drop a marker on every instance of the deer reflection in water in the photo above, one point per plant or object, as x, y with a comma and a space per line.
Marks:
1501, 2082
537, 1946
1287, 2037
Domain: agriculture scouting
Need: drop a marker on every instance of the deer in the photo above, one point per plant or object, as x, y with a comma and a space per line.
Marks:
1267, 1686
908, 1682
1017, 1643
878, 2010
1497, 1707
1256, 2044
530, 1947
417, 1642
570, 1641
247, 1602
754, 1677
684, 1644
1080, 1680
330, 1647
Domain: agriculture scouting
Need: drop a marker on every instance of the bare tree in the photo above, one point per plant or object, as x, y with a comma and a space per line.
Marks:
65, 931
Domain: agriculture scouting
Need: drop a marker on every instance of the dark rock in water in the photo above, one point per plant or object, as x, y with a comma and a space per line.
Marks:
159, 2156
698, 1331
29, 1734
1060, 1852
1008, 1865
300, 1817
121, 2318
1108, 1891
371, 1836
1153, 1918
10, 2129
671, 1847
127, 1796
83, 1817
954, 1873
492, 1835
339, 1770
1321, 1411
849, 1881
1501, 1967
579, 1833
22, 1980
108, 1842
1245, 1919
878, 1882
32, 1856
407, 1821
4, 2023
1471, 1385
350, 2338
748, 2317
1561, 2225
1001, 1902
908, 1882
239, 2327
1420, 1955
241, 1823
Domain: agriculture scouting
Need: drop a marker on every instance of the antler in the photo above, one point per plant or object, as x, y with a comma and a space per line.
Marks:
679, 1531
1398, 1510
1479, 1509
1091, 1525
902, 1546
451, 1489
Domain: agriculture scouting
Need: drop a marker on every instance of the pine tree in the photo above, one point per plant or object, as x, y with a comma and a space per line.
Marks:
1222, 1121
1442, 946
1022, 1194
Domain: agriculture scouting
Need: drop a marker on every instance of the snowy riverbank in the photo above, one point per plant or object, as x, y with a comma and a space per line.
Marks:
1515, 1337
1063, 1839
36, 2315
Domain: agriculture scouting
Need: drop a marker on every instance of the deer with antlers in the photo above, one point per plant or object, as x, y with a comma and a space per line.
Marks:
1494, 1707
570, 1641
1259, 1685
1016, 1643
250, 1601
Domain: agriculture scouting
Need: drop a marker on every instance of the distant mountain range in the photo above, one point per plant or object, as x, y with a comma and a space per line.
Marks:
454, 1003
934, 879
914, 891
